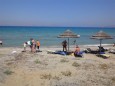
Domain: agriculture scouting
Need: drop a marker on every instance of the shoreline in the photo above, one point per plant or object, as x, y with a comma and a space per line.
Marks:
18, 49
59, 46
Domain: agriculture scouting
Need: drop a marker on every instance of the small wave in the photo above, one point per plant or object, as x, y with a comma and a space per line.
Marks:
93, 45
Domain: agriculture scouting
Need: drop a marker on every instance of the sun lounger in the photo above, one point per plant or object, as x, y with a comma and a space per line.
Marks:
104, 56
112, 51
89, 50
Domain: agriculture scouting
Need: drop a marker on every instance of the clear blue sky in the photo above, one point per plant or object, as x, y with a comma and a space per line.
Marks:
83, 13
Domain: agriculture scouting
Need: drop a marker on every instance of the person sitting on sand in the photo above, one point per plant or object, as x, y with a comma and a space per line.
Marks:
64, 44
77, 50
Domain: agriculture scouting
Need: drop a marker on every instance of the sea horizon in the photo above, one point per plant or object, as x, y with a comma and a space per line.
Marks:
59, 26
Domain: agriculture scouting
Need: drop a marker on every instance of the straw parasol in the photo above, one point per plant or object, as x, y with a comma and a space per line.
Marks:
68, 34
100, 36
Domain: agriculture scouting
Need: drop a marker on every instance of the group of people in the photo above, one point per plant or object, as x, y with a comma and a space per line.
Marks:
76, 51
35, 45
32, 44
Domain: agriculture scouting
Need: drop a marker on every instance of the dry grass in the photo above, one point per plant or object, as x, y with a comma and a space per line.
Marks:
66, 73
75, 64
57, 78
42, 69
49, 76
46, 76
37, 61
113, 79
64, 60
103, 66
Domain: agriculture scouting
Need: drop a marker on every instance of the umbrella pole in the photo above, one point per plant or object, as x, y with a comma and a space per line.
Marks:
100, 45
100, 42
68, 44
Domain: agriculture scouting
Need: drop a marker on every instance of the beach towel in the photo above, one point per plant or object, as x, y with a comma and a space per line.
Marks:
61, 52
79, 54
101, 52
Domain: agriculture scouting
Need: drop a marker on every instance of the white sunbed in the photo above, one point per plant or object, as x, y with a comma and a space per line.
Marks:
112, 51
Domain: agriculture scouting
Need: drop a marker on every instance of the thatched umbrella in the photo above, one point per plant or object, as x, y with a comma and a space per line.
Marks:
100, 36
68, 34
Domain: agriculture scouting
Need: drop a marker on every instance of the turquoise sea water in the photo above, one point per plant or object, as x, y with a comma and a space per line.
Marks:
15, 35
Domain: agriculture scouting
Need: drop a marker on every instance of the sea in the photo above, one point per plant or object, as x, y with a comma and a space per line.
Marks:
15, 36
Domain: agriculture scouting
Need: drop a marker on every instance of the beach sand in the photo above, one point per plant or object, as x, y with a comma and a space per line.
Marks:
41, 69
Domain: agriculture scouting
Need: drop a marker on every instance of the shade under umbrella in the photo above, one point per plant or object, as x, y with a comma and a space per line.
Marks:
68, 34
100, 36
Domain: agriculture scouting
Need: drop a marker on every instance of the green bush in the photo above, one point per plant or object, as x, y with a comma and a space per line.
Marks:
8, 72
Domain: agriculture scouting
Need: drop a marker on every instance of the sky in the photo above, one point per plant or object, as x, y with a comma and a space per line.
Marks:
76, 13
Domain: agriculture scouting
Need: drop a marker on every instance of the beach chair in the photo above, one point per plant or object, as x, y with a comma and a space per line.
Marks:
105, 56
89, 50
102, 49
112, 51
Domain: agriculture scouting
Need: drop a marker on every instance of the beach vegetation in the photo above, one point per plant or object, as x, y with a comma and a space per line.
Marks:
113, 79
8, 72
75, 64
46, 76
64, 60
37, 61
103, 66
66, 73
57, 78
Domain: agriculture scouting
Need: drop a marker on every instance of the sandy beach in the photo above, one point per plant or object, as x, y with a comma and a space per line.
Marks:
42, 69
34, 34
